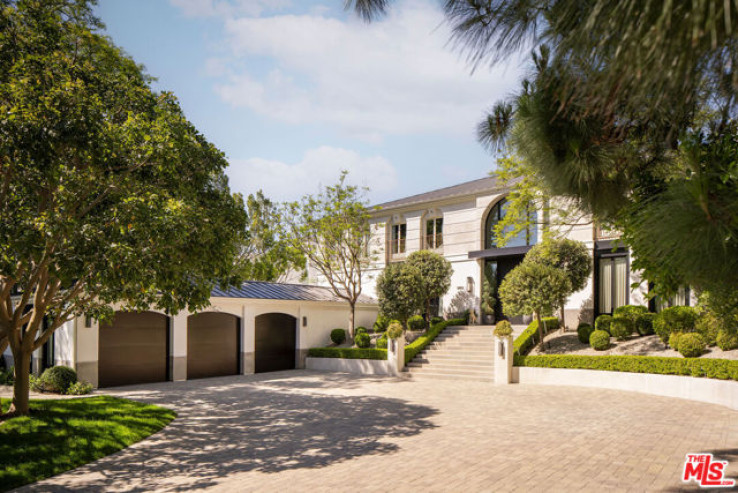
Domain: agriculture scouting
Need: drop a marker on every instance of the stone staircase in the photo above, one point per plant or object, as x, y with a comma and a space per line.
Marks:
458, 353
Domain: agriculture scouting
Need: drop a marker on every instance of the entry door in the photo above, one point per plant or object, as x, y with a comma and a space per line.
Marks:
612, 283
504, 266
275, 341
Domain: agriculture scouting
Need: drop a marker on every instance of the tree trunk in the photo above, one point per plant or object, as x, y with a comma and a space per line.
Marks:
427, 314
351, 321
21, 385
563, 320
541, 333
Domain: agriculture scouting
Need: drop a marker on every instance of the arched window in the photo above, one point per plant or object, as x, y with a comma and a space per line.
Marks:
526, 237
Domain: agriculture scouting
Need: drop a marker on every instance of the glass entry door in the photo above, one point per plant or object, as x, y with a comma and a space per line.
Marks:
613, 283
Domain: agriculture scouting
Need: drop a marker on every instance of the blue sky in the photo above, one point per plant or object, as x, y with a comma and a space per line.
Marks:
293, 91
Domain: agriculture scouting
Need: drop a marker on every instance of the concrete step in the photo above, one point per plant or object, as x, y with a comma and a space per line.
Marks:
445, 376
442, 367
466, 338
460, 352
444, 359
467, 331
462, 344
452, 371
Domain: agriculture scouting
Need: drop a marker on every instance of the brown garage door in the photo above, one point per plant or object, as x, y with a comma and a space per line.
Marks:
212, 345
133, 349
275, 342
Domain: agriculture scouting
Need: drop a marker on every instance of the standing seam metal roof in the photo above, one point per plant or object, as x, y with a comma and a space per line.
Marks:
278, 291
488, 184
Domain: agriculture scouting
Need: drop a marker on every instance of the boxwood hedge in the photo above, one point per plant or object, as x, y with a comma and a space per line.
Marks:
347, 353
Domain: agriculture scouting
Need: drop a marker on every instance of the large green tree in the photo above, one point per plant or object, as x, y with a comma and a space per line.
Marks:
267, 254
107, 193
399, 289
435, 277
331, 230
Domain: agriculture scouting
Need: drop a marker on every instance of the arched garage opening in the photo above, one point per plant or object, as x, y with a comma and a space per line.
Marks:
133, 348
275, 342
213, 345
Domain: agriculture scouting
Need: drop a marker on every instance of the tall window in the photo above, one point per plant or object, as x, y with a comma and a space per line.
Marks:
613, 283
434, 233
526, 237
397, 243
681, 298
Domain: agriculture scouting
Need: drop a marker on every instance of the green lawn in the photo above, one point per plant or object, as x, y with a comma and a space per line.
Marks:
66, 433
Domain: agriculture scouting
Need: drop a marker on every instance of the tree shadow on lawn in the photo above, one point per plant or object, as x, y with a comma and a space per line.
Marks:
224, 430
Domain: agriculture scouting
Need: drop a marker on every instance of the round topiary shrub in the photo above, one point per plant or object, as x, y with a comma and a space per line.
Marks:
394, 331
727, 340
503, 328
57, 379
583, 333
674, 319
338, 336
708, 327
644, 323
691, 345
360, 330
416, 322
599, 340
674, 340
436, 320
603, 323
621, 328
382, 341
362, 340
631, 312
381, 324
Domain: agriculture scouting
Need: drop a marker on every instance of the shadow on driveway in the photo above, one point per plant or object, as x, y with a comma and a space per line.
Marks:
260, 423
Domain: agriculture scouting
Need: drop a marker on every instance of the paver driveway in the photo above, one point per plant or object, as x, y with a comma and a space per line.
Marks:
309, 431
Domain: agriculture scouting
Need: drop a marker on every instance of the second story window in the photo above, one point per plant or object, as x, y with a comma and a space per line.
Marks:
434, 233
399, 233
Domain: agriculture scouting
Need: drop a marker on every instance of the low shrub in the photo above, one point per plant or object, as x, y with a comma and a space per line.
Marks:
674, 340
394, 331
691, 345
674, 319
583, 333
503, 328
644, 323
599, 340
631, 312
528, 339
363, 340
347, 353
603, 322
436, 320
7, 376
360, 330
382, 341
708, 327
56, 379
338, 336
79, 388
721, 369
381, 324
621, 328
727, 340
416, 322
412, 349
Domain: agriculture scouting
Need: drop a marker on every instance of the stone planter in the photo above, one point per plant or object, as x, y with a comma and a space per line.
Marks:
396, 355
503, 360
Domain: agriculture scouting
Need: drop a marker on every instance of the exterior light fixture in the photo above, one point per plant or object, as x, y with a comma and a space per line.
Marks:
470, 285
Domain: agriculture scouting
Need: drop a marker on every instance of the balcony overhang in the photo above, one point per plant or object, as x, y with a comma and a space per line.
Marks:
500, 252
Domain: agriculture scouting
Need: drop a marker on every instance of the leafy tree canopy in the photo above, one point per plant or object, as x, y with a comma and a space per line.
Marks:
435, 276
400, 291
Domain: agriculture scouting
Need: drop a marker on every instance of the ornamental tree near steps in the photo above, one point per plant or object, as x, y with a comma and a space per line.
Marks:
109, 195
435, 276
331, 230
570, 256
399, 289
533, 288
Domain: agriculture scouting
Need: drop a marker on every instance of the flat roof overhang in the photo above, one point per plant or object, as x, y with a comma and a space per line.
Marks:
500, 252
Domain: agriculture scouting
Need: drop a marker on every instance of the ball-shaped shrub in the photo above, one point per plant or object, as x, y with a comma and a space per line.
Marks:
583, 333
674, 340
436, 320
630, 312
727, 340
362, 340
599, 340
382, 341
621, 328
603, 322
360, 330
644, 323
381, 324
394, 331
503, 328
691, 345
338, 336
708, 327
57, 379
674, 319
416, 322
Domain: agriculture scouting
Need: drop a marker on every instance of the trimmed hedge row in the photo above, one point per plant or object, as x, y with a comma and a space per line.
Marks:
529, 337
721, 369
412, 349
347, 353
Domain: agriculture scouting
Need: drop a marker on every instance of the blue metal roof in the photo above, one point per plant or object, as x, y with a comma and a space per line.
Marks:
278, 291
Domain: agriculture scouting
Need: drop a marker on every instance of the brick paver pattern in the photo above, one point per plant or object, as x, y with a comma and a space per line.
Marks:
310, 431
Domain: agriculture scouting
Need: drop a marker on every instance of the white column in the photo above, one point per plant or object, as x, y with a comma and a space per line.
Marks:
503, 360
396, 355
178, 356
248, 343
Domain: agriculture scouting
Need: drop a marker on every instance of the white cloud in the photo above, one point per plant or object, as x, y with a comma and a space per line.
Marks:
210, 8
396, 76
321, 166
